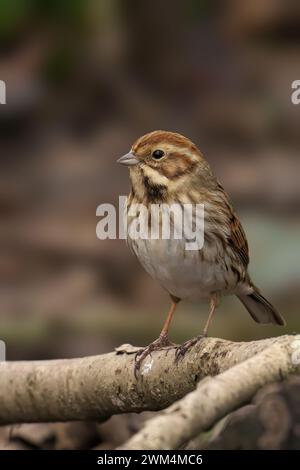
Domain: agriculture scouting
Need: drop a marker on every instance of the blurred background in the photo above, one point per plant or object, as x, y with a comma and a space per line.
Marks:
84, 79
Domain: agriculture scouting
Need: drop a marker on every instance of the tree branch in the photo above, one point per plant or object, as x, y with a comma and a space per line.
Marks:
215, 397
97, 387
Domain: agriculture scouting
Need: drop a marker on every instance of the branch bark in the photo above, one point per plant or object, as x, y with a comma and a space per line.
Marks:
96, 387
215, 397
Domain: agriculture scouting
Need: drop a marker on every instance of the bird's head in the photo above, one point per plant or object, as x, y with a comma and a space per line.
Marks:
162, 162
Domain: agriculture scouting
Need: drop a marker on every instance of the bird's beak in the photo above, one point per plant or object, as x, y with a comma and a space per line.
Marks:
129, 159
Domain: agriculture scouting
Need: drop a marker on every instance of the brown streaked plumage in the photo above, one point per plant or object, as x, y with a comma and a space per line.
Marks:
167, 168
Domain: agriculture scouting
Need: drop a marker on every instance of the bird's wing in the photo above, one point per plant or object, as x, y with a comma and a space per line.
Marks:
238, 239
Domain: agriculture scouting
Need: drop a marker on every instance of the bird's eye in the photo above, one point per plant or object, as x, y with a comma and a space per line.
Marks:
158, 154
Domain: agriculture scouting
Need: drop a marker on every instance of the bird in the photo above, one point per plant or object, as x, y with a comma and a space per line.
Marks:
167, 168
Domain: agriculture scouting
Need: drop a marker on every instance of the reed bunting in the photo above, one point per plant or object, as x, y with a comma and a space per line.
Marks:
167, 168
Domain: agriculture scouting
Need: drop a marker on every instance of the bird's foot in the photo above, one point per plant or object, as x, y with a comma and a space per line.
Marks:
183, 348
162, 342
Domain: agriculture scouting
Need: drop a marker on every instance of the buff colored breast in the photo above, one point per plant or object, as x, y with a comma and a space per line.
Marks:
187, 274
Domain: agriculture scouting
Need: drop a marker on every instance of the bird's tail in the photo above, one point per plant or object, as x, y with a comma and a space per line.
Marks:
260, 309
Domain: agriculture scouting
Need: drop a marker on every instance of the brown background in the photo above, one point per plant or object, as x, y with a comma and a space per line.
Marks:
84, 80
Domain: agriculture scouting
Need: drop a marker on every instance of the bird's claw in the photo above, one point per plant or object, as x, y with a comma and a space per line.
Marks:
162, 342
183, 348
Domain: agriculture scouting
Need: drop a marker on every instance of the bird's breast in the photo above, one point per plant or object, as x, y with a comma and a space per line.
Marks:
187, 274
